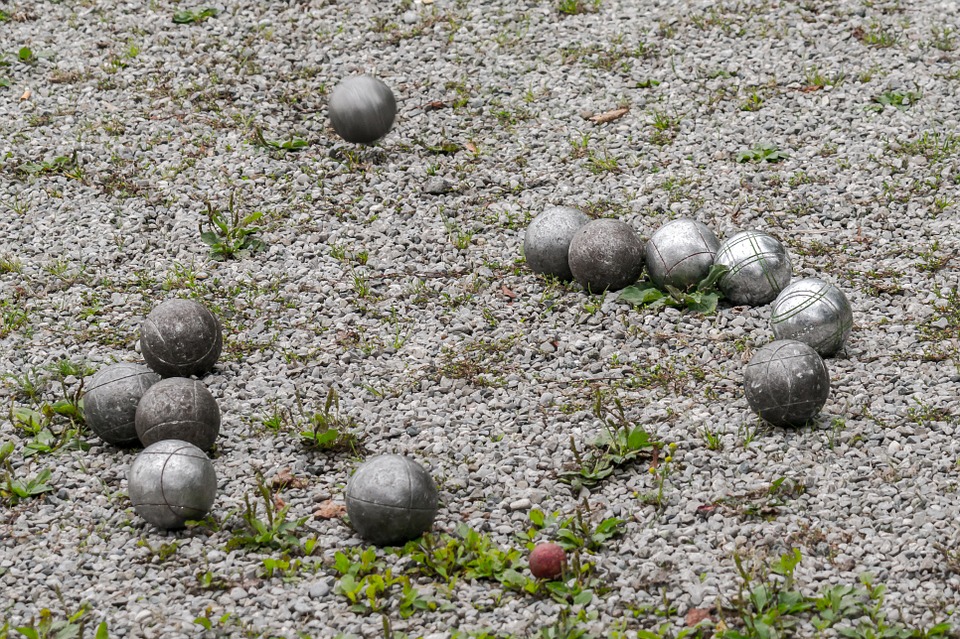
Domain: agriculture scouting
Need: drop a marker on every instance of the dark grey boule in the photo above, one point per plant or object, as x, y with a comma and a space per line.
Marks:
178, 408
786, 383
362, 109
391, 499
180, 338
680, 253
110, 401
605, 254
171, 482
546, 243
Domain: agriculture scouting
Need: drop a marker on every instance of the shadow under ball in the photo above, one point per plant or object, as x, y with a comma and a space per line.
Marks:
171, 482
786, 383
110, 401
391, 500
362, 109
546, 244
605, 254
759, 268
178, 408
814, 312
180, 338
680, 253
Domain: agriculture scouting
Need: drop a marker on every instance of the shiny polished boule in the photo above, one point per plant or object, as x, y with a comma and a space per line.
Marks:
172, 482
814, 312
391, 499
546, 244
759, 268
110, 401
362, 109
180, 338
786, 383
178, 408
605, 254
680, 253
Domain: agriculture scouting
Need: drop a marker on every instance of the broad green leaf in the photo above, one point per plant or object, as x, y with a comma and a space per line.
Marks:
641, 296
204, 622
102, 632
536, 515
638, 438
583, 598
706, 303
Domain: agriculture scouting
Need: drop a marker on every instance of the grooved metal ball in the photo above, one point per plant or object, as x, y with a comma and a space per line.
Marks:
786, 383
391, 499
178, 408
180, 338
362, 109
680, 253
814, 312
110, 401
759, 268
605, 254
171, 482
546, 244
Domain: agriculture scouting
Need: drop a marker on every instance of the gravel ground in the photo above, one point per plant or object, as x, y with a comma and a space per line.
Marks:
393, 274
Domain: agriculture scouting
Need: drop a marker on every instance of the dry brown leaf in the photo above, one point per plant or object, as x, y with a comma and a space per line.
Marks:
433, 106
330, 510
506, 291
697, 615
609, 116
26, 94
470, 146
285, 479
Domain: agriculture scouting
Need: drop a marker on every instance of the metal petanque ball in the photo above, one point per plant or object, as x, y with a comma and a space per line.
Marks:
786, 383
178, 408
680, 253
759, 267
814, 312
171, 482
180, 338
110, 402
362, 109
605, 254
546, 243
391, 499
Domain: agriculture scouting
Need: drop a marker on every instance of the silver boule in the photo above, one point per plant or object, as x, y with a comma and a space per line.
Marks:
171, 482
180, 338
546, 243
362, 109
178, 408
110, 401
391, 499
786, 383
680, 253
605, 254
814, 312
759, 268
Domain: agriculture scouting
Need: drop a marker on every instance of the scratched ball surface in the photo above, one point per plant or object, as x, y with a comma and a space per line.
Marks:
391, 499
605, 254
180, 338
814, 312
546, 244
110, 401
362, 109
680, 253
786, 383
759, 268
178, 408
171, 482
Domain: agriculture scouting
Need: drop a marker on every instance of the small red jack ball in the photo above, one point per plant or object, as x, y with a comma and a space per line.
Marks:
548, 561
